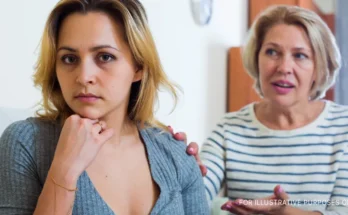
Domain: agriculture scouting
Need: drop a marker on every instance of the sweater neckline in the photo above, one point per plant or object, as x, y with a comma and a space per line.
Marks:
308, 127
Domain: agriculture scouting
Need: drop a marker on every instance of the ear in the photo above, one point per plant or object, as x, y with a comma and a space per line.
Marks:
138, 75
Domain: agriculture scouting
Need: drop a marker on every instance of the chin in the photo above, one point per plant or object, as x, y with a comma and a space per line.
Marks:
89, 113
283, 101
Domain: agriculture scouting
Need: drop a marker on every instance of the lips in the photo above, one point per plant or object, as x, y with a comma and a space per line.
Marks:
87, 97
283, 87
283, 84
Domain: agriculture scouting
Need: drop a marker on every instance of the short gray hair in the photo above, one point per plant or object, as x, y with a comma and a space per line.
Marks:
326, 53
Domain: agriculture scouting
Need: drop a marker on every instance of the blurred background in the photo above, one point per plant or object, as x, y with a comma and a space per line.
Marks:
203, 59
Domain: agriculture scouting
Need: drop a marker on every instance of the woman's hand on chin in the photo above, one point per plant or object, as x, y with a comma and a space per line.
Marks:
78, 145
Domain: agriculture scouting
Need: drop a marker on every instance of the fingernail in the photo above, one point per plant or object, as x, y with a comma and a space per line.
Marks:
280, 190
226, 207
170, 128
236, 203
191, 150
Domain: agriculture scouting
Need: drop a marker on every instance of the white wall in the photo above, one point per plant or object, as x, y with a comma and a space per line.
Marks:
194, 57
326, 6
21, 30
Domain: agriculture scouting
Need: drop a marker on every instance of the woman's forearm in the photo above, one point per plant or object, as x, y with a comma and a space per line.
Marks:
55, 199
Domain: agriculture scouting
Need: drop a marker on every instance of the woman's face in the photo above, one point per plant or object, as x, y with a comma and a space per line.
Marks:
286, 65
94, 65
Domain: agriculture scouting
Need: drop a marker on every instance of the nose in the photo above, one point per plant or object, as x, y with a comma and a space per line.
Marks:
86, 73
285, 65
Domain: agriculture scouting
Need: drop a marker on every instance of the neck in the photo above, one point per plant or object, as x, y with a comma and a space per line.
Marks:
285, 118
122, 125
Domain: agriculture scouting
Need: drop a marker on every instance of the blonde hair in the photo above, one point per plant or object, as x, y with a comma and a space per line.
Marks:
131, 14
326, 53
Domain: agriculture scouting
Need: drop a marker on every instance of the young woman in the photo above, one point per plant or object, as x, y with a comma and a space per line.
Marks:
96, 148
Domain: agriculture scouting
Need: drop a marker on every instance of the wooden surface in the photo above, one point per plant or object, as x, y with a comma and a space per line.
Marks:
240, 90
306, 4
256, 6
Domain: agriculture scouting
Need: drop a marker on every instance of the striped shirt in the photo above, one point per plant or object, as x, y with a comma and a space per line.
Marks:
310, 163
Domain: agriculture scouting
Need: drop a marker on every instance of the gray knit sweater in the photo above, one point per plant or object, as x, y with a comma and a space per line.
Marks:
27, 149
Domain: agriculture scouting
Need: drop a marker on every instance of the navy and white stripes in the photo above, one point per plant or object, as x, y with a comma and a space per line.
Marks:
311, 163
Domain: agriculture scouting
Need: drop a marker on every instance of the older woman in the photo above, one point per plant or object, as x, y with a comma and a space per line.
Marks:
291, 138
96, 148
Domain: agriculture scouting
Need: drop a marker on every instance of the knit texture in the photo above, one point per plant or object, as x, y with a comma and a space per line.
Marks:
26, 151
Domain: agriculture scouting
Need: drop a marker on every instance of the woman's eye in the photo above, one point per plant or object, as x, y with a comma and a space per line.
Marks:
271, 52
69, 59
106, 57
300, 56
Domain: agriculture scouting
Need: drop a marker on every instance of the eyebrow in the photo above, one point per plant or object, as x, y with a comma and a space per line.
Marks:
296, 48
272, 44
95, 48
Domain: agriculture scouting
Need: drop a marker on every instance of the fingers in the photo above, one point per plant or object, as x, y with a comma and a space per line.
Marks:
98, 127
93, 121
271, 197
170, 130
268, 205
181, 136
75, 121
257, 205
76, 118
106, 134
203, 169
280, 193
233, 207
102, 124
192, 149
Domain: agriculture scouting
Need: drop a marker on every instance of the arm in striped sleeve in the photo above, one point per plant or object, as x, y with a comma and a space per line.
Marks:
213, 157
339, 198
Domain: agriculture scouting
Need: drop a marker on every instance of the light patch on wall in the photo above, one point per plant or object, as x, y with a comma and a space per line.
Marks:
326, 6
202, 11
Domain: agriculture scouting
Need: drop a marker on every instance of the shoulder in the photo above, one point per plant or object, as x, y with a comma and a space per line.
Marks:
17, 145
244, 114
20, 131
337, 108
28, 136
335, 115
25, 131
241, 121
163, 140
31, 142
333, 123
173, 151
